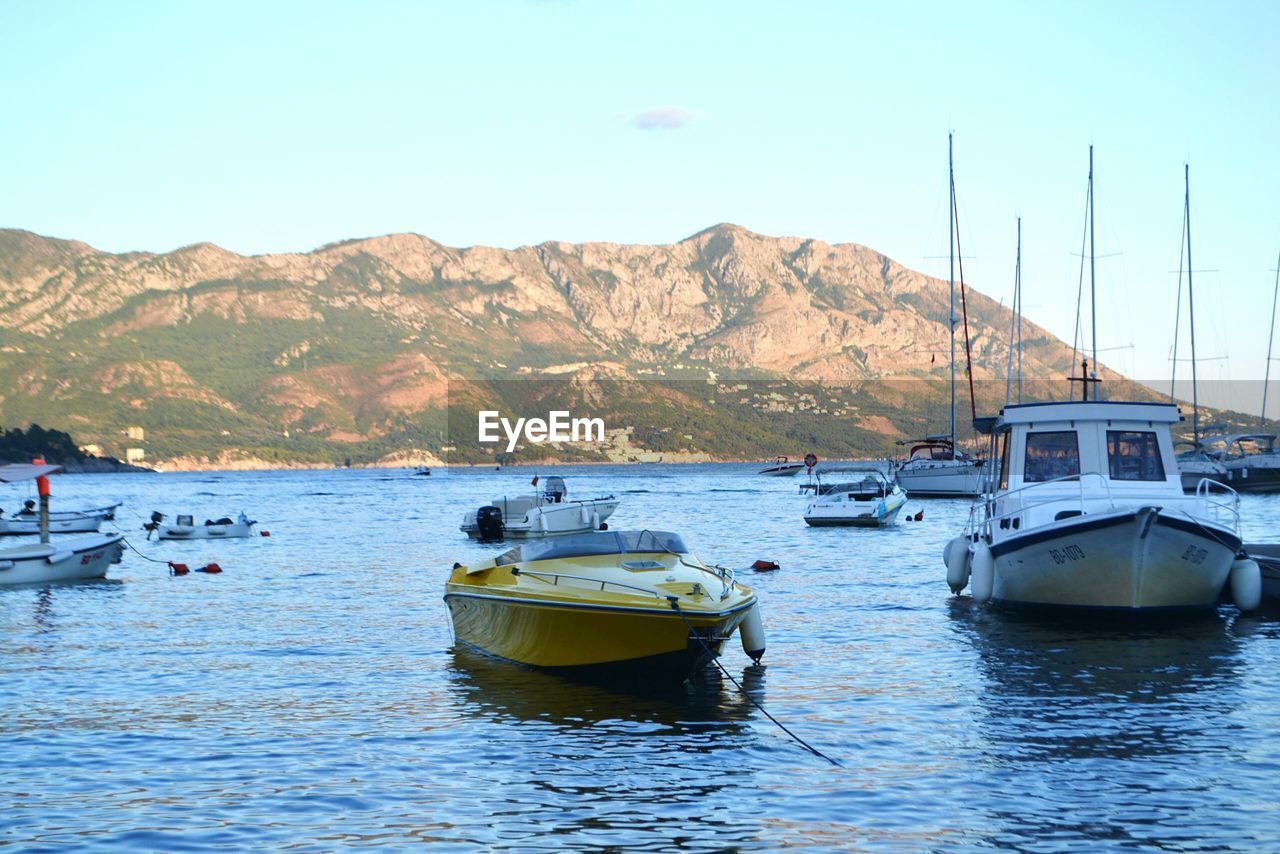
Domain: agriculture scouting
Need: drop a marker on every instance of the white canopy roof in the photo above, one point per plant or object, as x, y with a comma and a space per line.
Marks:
25, 471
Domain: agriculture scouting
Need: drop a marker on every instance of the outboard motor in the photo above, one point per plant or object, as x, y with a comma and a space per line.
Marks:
489, 523
555, 491
156, 518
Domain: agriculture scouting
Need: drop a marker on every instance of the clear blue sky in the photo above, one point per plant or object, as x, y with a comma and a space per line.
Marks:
274, 126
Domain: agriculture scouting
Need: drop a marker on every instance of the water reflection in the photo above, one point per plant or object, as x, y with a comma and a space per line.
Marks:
1094, 704
611, 765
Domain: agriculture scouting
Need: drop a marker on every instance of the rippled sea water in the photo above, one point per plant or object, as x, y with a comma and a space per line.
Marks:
312, 696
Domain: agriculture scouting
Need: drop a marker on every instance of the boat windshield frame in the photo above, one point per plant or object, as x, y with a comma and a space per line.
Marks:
595, 544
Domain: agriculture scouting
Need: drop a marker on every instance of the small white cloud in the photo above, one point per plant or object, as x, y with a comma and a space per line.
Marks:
663, 118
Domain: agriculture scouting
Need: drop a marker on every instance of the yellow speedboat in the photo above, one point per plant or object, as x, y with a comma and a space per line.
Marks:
606, 600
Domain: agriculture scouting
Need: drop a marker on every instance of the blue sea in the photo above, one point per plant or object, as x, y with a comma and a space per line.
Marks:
311, 696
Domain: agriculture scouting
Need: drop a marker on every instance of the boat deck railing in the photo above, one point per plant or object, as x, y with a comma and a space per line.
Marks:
1221, 510
1227, 506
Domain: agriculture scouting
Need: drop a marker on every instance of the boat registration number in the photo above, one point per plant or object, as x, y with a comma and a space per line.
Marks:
1065, 554
87, 559
1195, 555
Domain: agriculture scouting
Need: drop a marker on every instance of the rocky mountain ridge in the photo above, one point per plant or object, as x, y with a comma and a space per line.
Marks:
363, 343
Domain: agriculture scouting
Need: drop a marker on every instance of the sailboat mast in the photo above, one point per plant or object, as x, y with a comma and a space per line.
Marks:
1093, 291
951, 252
1266, 376
1191, 310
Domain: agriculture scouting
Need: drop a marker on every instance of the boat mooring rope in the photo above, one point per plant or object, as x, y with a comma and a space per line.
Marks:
675, 606
174, 568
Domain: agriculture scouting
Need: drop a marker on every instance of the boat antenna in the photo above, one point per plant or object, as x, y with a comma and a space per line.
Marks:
964, 311
1191, 308
951, 249
1262, 416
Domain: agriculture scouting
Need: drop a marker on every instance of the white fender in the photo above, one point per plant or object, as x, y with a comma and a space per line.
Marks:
584, 514
595, 519
957, 558
751, 633
982, 577
1246, 584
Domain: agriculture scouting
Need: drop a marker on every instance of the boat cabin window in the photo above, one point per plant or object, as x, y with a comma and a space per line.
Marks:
1247, 445
1134, 455
932, 452
1051, 455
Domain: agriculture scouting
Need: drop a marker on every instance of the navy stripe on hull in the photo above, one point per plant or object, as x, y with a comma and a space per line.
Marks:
843, 523
1031, 538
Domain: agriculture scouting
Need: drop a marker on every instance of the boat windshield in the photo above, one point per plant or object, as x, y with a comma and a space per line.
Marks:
595, 543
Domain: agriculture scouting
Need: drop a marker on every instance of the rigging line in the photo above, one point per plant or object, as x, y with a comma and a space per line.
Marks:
1191, 313
964, 308
675, 605
1262, 416
1177, 313
1077, 339
1093, 281
1013, 319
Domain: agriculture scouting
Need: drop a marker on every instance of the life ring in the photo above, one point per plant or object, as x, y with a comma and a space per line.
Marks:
810, 459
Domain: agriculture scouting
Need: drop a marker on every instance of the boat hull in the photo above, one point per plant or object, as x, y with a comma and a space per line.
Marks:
24, 526
941, 478
878, 515
1133, 560
588, 638
1253, 479
551, 520
782, 471
234, 531
68, 560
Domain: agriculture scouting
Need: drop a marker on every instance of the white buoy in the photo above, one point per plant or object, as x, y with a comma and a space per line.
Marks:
957, 558
982, 577
1246, 584
751, 632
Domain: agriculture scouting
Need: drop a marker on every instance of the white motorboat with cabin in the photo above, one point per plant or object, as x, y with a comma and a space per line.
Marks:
869, 499
70, 559
782, 467
1196, 463
86, 521
1088, 511
184, 527
548, 513
1251, 462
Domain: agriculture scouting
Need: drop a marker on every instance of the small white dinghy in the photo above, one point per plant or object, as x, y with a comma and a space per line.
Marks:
549, 513
184, 528
72, 559
27, 520
871, 500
